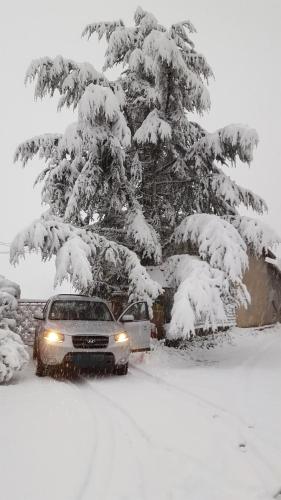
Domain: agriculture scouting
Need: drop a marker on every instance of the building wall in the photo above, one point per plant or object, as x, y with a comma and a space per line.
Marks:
263, 281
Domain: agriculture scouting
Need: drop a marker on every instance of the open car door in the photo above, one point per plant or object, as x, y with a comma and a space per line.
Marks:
136, 322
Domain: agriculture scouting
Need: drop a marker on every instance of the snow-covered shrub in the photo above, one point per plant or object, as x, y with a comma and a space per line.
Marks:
135, 177
13, 354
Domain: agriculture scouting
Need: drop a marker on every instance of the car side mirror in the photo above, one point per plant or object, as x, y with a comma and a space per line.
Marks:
127, 317
39, 316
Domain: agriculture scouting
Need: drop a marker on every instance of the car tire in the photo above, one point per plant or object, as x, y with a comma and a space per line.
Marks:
41, 369
121, 369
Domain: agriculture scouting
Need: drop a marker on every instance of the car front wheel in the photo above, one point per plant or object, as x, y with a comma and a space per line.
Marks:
121, 369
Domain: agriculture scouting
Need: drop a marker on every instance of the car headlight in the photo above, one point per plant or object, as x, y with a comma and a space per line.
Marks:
121, 337
53, 336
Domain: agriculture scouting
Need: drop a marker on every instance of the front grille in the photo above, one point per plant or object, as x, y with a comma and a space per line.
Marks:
90, 341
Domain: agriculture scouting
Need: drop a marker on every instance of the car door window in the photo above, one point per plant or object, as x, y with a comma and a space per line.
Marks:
139, 311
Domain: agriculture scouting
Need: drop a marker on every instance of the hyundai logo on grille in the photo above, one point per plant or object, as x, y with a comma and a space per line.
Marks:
93, 342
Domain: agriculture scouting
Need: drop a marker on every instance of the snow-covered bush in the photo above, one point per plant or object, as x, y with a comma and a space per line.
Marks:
13, 354
135, 178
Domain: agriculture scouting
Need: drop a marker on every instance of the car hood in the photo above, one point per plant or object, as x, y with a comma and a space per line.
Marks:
85, 327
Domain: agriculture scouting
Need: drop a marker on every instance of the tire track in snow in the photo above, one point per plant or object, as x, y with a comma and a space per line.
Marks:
239, 424
261, 443
153, 445
122, 435
204, 401
100, 464
94, 441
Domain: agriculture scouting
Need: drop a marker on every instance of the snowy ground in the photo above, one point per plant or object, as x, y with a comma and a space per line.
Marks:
199, 424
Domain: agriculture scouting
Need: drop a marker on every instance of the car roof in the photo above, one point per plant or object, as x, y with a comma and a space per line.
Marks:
73, 296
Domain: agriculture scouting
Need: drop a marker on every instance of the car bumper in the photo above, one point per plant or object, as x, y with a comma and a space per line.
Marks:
96, 360
65, 352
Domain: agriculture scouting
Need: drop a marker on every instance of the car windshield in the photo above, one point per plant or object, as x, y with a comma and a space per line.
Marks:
80, 310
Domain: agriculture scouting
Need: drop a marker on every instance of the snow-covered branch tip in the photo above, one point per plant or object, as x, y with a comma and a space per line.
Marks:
43, 145
258, 236
66, 76
102, 29
225, 188
226, 144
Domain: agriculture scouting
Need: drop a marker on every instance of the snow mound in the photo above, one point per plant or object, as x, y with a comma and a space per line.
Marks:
13, 354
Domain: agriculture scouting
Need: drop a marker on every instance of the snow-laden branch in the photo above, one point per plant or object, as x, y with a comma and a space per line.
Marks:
233, 194
64, 75
145, 20
158, 48
153, 129
182, 28
216, 241
204, 288
102, 29
43, 145
144, 235
120, 43
98, 101
201, 296
258, 236
226, 143
75, 248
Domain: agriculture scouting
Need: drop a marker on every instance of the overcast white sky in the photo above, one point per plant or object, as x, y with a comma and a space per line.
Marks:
241, 40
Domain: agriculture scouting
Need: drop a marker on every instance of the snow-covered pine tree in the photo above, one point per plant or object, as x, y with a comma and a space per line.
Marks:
135, 177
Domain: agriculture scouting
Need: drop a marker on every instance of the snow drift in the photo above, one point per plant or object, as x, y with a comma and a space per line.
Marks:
13, 354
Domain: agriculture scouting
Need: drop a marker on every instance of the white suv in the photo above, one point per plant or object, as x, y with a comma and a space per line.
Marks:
79, 331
